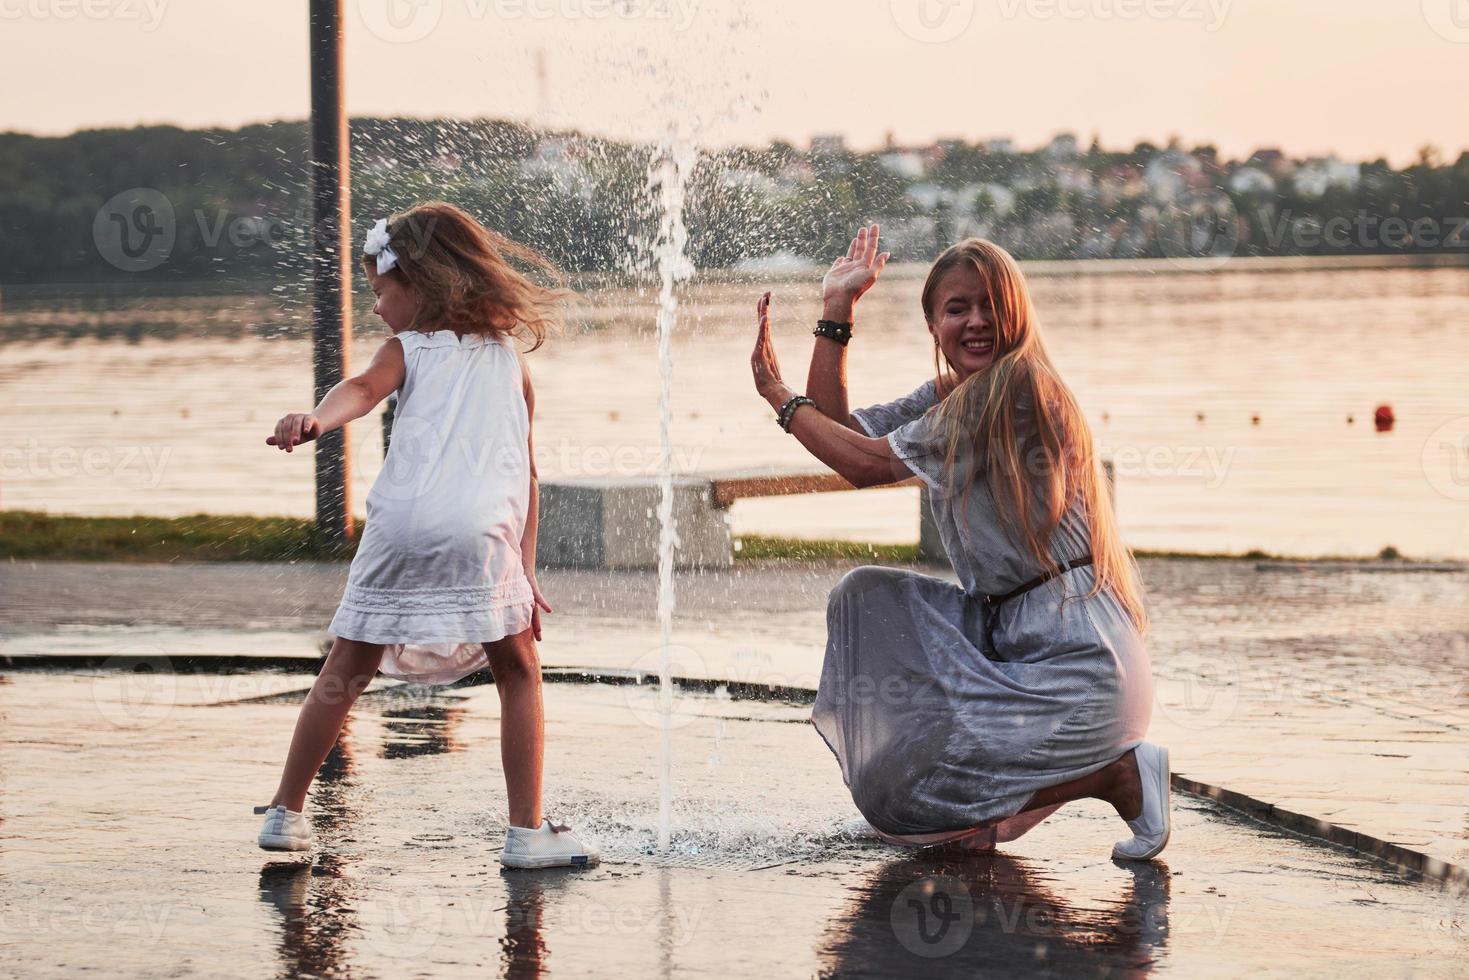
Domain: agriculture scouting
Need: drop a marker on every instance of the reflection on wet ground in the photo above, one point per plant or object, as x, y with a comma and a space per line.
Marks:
127, 846
978, 912
424, 730
1362, 673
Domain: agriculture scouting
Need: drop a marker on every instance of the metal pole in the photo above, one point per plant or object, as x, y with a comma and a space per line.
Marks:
331, 261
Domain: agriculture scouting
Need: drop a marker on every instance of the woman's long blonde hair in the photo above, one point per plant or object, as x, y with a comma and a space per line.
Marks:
1023, 426
464, 279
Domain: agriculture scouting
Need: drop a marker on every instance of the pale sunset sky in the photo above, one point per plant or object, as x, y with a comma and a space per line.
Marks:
1361, 78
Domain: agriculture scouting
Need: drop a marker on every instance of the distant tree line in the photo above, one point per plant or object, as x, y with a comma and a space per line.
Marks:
238, 199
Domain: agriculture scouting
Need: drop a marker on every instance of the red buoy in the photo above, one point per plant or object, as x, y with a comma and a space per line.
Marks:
1383, 418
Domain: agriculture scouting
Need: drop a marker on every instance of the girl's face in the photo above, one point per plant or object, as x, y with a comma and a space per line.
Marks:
397, 302
962, 320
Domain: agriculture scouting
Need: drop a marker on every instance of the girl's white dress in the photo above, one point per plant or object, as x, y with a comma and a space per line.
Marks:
438, 569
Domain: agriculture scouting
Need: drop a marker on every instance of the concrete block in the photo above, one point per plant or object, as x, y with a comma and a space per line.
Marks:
613, 523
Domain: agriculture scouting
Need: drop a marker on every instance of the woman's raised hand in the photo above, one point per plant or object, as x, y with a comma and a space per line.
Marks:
763, 362
853, 274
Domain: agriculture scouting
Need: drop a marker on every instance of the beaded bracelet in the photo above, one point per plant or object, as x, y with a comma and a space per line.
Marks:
788, 410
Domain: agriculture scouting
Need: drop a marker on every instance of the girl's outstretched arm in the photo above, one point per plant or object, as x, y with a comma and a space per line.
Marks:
349, 399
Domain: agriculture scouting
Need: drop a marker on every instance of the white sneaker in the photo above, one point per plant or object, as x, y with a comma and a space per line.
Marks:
547, 846
1151, 828
283, 830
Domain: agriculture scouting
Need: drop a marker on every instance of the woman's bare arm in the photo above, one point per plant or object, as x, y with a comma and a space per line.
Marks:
848, 278
826, 380
859, 459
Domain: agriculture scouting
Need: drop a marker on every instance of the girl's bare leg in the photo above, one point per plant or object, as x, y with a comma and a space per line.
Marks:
517, 669
348, 669
1118, 784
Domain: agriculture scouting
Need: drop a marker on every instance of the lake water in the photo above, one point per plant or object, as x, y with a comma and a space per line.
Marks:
161, 405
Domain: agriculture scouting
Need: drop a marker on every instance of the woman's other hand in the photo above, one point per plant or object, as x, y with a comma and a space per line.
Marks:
763, 362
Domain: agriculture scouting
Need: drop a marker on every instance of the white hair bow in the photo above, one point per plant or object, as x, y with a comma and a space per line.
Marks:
377, 244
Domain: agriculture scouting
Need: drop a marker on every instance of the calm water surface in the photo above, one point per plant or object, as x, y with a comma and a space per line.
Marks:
162, 405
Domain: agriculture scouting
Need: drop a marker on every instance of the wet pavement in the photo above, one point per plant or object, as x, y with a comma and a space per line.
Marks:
127, 849
1330, 691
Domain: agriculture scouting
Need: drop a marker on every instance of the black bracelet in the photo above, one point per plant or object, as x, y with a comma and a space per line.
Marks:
834, 330
788, 410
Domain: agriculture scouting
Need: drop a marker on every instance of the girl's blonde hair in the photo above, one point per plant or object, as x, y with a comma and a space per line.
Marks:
463, 275
1021, 423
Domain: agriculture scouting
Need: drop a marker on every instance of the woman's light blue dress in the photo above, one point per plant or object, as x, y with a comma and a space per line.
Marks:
937, 734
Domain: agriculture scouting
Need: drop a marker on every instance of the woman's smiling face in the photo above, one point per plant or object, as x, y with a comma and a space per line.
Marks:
963, 320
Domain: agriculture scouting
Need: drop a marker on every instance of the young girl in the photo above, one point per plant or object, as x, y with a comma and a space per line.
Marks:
444, 581
970, 712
